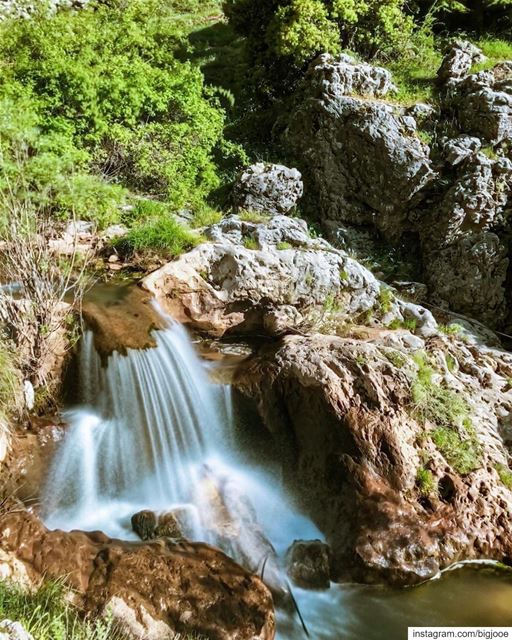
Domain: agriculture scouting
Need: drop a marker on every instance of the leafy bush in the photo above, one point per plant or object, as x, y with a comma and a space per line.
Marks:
108, 90
505, 474
284, 35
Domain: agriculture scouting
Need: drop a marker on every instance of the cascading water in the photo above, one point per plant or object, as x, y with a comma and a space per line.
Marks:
153, 433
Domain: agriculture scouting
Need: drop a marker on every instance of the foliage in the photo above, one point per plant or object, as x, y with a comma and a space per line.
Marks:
464, 454
297, 30
450, 329
432, 402
108, 90
253, 216
425, 482
505, 474
385, 298
204, 216
162, 234
396, 358
251, 243
282, 246
47, 616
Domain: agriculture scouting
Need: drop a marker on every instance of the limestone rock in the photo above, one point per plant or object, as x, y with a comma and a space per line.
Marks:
363, 161
457, 62
269, 188
483, 104
10, 630
154, 590
465, 259
341, 408
308, 564
282, 284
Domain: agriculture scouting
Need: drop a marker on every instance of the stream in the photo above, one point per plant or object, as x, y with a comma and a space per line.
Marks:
151, 431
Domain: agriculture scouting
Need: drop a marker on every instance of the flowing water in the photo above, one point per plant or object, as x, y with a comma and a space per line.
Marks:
152, 432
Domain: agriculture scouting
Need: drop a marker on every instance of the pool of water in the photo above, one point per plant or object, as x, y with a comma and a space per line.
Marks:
468, 596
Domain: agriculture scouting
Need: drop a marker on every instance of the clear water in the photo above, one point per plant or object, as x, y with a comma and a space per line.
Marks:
152, 432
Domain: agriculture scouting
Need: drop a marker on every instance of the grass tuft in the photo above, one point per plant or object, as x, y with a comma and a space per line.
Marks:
163, 235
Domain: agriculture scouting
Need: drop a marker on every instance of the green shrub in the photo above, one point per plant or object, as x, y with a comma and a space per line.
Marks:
251, 243
282, 246
162, 234
284, 35
109, 90
253, 216
432, 402
386, 298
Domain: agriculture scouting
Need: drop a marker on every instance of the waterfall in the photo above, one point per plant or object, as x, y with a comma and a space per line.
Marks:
148, 421
153, 433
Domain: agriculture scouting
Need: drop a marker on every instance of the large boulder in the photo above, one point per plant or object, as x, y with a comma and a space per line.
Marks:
362, 158
398, 493
153, 590
458, 60
262, 276
272, 189
464, 254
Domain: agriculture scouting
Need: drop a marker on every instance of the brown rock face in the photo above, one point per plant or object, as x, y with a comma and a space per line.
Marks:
123, 322
339, 410
153, 589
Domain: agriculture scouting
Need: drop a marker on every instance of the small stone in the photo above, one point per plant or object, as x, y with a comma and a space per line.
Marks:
308, 564
113, 258
10, 630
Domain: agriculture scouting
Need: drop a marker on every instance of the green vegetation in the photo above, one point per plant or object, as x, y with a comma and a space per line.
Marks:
396, 358
47, 615
505, 474
103, 102
409, 324
451, 362
385, 298
251, 243
432, 402
161, 234
448, 413
450, 329
253, 216
282, 246
284, 35
331, 303
425, 482
464, 454
9, 380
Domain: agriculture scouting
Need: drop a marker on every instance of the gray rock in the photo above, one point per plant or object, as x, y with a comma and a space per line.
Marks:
459, 59
412, 291
459, 149
308, 564
269, 188
426, 324
364, 162
10, 630
465, 259
483, 104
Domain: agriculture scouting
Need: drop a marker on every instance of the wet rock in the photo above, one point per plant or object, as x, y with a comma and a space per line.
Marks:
126, 322
363, 161
149, 525
10, 630
272, 189
153, 590
308, 564
340, 411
